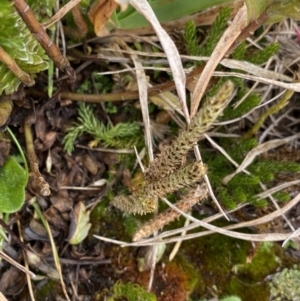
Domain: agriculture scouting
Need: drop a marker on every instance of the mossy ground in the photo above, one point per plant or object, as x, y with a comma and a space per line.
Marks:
206, 267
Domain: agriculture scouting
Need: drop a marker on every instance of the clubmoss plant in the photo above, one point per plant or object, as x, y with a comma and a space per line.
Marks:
242, 187
171, 157
164, 175
122, 135
214, 35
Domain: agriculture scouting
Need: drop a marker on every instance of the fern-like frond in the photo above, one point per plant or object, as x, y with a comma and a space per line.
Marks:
122, 135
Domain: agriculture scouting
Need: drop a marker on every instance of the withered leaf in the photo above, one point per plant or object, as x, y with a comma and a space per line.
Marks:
80, 225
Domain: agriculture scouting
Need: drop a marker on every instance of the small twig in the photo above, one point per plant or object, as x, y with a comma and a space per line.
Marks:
39, 32
79, 21
15, 69
33, 162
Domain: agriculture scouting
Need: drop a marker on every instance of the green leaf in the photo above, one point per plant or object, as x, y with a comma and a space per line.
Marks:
256, 7
13, 179
282, 9
165, 10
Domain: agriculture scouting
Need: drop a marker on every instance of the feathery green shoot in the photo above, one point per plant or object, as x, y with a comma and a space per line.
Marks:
122, 135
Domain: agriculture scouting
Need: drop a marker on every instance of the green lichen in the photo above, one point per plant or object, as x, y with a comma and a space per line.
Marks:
286, 285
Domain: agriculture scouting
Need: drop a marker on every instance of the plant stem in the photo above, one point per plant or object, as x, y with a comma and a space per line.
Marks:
33, 162
39, 32
19, 148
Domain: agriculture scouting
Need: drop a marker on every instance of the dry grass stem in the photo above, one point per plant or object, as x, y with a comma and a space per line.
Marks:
230, 35
33, 162
143, 7
62, 12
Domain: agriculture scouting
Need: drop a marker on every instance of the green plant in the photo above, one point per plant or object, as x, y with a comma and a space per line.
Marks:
163, 174
12, 186
13, 181
215, 33
18, 42
130, 291
132, 19
122, 135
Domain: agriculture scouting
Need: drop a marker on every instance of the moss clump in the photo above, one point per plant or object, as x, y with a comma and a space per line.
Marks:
248, 282
265, 261
213, 258
248, 292
130, 291
193, 278
286, 285
47, 290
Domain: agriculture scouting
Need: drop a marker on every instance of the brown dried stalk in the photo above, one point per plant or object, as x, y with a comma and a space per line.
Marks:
15, 69
171, 157
79, 21
166, 217
33, 162
39, 32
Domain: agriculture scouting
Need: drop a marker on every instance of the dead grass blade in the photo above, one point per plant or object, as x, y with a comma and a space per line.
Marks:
230, 35
28, 278
143, 96
53, 247
2, 298
63, 11
16, 264
261, 148
143, 7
